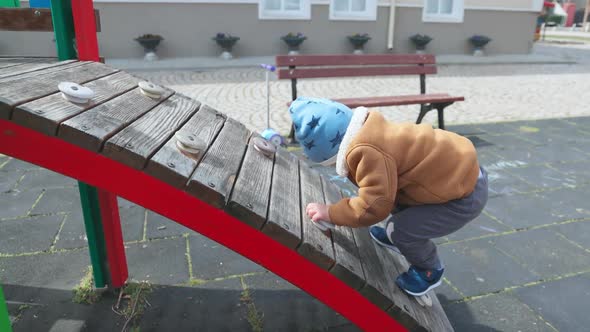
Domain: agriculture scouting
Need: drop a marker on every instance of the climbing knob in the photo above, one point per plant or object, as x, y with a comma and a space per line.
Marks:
189, 143
151, 90
75, 93
263, 146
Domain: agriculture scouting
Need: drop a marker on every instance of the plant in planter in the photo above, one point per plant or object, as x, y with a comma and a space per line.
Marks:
226, 42
358, 40
294, 40
478, 42
420, 42
149, 43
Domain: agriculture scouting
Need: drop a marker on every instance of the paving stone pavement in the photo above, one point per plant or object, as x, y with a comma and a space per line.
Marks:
524, 264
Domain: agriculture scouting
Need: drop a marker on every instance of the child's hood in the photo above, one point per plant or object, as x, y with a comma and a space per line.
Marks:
359, 117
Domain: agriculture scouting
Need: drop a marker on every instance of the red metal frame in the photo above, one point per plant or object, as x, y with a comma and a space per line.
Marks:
85, 27
87, 45
113, 238
162, 198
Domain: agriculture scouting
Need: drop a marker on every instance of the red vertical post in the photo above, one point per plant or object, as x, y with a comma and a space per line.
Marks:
87, 47
85, 27
111, 225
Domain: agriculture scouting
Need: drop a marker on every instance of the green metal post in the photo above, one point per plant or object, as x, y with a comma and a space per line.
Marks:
94, 233
4, 319
63, 27
9, 3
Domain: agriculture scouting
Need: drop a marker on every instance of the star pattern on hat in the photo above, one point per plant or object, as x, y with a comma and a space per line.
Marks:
314, 121
309, 145
337, 140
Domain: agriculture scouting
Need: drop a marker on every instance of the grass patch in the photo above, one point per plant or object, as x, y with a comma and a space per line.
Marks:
132, 303
254, 317
84, 292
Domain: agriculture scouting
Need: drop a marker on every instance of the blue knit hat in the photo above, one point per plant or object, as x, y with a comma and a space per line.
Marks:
320, 125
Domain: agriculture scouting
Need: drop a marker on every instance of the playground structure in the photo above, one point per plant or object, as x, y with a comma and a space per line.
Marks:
230, 192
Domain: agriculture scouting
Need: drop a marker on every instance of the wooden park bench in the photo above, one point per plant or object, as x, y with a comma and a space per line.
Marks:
122, 142
295, 67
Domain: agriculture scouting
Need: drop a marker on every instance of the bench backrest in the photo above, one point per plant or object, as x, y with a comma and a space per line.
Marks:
351, 65
314, 66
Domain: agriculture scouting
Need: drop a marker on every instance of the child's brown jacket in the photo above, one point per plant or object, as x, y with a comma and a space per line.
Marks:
401, 163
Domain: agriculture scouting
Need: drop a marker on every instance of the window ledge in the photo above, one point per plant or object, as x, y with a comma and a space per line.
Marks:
353, 18
442, 19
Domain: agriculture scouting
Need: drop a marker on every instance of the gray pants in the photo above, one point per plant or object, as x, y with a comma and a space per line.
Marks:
415, 226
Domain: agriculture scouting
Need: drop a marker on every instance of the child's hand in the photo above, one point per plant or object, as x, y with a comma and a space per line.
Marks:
318, 212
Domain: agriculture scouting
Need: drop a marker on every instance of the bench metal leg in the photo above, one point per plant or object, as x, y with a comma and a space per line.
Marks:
440, 107
423, 110
441, 118
4, 318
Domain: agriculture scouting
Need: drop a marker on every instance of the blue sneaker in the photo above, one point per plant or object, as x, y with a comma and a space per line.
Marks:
418, 281
379, 235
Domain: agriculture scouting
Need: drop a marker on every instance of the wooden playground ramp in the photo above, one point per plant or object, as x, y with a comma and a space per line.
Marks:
122, 141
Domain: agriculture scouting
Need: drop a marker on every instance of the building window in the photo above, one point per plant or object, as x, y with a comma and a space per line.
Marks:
284, 9
443, 11
357, 10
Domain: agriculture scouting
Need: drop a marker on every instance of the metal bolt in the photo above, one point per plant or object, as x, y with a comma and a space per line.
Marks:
39, 112
75, 88
249, 206
190, 138
129, 145
171, 165
85, 127
285, 226
211, 184
37, 13
406, 308
320, 247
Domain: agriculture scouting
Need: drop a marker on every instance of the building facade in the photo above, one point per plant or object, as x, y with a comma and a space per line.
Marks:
189, 25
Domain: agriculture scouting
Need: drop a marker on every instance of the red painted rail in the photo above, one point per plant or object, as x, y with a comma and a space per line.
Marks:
136, 186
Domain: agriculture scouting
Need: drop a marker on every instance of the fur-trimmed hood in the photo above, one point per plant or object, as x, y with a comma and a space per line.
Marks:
359, 117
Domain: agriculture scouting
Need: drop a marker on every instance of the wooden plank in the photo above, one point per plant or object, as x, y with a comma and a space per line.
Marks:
57, 66
30, 19
174, 167
353, 59
31, 66
284, 216
251, 194
348, 267
214, 179
316, 245
92, 128
399, 100
134, 145
403, 308
354, 71
433, 318
10, 62
22, 89
25, 19
47, 113
378, 281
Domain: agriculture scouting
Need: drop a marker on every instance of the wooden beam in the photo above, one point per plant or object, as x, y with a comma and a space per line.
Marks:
31, 19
